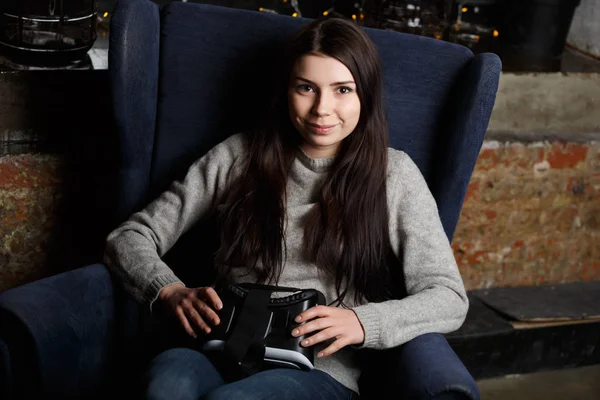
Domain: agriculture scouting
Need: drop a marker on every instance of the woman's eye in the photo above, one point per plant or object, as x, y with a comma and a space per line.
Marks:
344, 90
305, 88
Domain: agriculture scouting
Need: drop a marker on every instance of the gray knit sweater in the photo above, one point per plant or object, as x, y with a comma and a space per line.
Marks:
436, 300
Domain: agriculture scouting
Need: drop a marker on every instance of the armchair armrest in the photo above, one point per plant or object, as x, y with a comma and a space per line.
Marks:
427, 367
424, 368
59, 334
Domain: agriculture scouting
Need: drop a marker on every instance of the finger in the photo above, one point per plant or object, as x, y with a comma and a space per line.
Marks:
333, 347
184, 322
212, 298
313, 312
325, 334
312, 326
196, 318
207, 312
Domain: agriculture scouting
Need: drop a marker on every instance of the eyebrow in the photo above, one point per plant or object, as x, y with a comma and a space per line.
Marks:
332, 84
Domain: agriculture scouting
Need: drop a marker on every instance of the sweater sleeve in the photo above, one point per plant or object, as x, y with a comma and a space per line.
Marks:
436, 301
134, 249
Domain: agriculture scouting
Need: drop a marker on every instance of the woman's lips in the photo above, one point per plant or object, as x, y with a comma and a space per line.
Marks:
320, 129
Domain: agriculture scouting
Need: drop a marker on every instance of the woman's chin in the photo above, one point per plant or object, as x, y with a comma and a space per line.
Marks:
320, 148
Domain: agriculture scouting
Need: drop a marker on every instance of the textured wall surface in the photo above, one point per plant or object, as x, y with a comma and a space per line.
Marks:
30, 195
566, 103
56, 159
531, 215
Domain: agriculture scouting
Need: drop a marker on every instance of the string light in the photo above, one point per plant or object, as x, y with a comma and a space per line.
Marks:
464, 9
325, 13
496, 33
105, 14
261, 9
354, 17
294, 15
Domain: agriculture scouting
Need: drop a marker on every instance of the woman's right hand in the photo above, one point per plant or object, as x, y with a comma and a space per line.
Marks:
192, 306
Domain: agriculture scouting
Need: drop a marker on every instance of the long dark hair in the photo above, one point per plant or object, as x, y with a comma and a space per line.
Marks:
347, 234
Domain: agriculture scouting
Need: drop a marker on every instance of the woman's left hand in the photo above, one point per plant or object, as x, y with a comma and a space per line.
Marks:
331, 323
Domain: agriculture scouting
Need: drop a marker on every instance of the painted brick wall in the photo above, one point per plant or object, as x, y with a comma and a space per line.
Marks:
531, 216
30, 196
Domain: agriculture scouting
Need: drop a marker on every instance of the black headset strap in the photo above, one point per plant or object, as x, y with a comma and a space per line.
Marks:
245, 346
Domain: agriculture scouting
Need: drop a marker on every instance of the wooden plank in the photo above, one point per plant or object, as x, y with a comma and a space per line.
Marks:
547, 324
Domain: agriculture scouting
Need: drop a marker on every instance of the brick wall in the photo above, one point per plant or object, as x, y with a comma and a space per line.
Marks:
57, 154
30, 196
531, 216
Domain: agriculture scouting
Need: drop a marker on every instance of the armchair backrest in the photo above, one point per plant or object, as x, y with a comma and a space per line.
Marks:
186, 76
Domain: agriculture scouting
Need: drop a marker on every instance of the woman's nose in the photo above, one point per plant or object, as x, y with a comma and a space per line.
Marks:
323, 105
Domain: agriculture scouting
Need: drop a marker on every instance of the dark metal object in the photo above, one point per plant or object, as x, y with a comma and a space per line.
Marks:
48, 28
534, 33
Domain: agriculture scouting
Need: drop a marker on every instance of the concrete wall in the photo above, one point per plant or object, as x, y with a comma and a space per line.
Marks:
585, 28
559, 105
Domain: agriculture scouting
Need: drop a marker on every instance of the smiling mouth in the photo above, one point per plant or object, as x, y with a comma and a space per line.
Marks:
320, 128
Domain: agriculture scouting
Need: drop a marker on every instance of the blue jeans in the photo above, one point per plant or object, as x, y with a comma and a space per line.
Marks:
183, 373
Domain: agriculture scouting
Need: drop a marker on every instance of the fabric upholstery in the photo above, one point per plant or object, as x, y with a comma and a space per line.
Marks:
133, 69
424, 368
438, 96
60, 331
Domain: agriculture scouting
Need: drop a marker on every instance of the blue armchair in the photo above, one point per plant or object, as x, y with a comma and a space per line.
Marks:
183, 77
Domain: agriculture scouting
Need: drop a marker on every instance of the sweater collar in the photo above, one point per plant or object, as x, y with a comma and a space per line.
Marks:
315, 164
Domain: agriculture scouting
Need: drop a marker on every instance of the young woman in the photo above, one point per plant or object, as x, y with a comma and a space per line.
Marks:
314, 198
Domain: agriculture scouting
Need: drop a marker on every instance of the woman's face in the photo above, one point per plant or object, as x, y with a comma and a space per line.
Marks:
323, 103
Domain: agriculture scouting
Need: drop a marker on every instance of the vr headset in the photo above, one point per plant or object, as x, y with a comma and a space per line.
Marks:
255, 329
